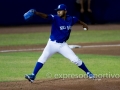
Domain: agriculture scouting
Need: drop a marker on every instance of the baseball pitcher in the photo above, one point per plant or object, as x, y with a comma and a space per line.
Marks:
60, 32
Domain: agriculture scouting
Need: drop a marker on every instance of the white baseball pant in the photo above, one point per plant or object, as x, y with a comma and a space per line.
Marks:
53, 47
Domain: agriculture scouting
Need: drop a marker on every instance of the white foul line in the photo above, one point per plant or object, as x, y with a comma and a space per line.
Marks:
71, 46
21, 50
93, 46
90, 46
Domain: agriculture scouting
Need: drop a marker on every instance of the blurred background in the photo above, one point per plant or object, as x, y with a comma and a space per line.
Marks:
11, 11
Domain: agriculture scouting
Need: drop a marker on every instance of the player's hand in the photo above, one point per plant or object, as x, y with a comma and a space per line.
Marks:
83, 24
29, 14
85, 27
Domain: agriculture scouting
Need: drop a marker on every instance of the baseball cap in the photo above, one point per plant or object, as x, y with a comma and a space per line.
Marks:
61, 7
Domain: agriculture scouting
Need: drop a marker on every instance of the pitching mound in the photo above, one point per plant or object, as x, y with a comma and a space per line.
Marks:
60, 84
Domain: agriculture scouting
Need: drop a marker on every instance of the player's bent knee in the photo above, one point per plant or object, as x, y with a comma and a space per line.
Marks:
77, 61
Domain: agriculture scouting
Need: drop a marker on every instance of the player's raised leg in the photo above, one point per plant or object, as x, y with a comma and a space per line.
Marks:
68, 53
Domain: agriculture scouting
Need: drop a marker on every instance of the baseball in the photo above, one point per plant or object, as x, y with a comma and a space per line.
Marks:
85, 28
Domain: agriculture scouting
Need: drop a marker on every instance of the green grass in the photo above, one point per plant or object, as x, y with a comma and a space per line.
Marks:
23, 39
13, 66
76, 37
95, 36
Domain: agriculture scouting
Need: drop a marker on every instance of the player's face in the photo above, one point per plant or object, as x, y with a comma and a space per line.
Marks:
61, 13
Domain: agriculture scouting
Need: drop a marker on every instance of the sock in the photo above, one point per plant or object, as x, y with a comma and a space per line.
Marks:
37, 68
83, 67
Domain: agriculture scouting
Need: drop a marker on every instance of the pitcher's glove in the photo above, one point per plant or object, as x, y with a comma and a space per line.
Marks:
29, 14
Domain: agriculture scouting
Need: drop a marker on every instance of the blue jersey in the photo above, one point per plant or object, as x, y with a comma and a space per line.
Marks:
61, 28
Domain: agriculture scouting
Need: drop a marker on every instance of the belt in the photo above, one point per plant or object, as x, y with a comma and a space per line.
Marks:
58, 41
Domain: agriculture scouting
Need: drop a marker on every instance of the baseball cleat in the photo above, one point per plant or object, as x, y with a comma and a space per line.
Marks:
30, 77
90, 75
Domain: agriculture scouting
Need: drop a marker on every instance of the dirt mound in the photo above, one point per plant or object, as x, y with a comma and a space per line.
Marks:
60, 84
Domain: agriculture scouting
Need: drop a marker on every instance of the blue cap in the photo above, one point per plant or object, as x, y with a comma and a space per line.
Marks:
61, 7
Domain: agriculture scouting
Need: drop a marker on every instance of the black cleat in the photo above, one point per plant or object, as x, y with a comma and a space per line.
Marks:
90, 75
30, 77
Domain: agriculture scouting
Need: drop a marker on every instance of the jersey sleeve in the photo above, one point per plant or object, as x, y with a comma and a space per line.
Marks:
51, 17
74, 20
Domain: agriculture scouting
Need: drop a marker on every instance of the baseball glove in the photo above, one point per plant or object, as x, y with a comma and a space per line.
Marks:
29, 14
